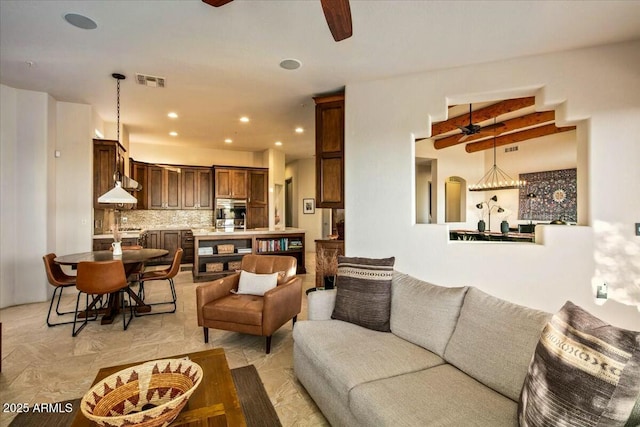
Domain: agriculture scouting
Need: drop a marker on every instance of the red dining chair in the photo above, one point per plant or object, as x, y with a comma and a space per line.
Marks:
98, 278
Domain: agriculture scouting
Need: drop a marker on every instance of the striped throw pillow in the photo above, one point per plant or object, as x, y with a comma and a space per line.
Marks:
584, 373
363, 294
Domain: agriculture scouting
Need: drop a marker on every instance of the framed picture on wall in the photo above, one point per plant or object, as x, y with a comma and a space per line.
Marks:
308, 206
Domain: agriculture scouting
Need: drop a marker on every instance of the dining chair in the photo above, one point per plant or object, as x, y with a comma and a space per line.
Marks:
59, 280
167, 274
99, 278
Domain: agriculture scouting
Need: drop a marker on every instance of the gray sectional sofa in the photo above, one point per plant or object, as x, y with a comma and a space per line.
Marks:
454, 356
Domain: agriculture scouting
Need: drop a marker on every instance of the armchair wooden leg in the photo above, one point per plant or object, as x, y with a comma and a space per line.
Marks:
294, 320
206, 334
269, 344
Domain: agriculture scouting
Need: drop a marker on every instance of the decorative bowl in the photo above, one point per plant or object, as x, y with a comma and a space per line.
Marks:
148, 395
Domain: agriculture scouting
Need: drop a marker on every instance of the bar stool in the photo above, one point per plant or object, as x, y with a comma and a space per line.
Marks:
166, 274
59, 280
100, 278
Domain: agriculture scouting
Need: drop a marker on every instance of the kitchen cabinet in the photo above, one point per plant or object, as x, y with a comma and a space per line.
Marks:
197, 188
187, 246
165, 188
330, 151
230, 183
258, 199
108, 158
139, 172
163, 239
105, 244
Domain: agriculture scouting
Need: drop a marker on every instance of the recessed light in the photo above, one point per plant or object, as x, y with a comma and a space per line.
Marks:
244, 119
173, 133
290, 64
278, 143
228, 141
80, 21
172, 115
299, 130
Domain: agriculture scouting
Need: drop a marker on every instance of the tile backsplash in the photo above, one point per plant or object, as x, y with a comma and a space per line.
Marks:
148, 219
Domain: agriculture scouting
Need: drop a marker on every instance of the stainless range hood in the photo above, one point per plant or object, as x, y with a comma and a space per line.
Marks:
130, 184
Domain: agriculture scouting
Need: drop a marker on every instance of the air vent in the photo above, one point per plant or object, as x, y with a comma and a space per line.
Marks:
151, 81
510, 149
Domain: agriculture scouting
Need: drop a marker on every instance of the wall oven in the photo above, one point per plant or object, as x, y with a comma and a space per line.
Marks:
230, 214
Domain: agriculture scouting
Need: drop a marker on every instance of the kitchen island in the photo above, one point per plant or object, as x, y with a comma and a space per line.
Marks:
218, 253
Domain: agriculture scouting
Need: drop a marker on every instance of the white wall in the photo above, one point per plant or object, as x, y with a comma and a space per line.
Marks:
198, 156
303, 172
74, 170
606, 90
26, 142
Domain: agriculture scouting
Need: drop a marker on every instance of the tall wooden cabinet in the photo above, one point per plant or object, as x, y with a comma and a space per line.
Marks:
258, 199
165, 188
139, 172
197, 188
330, 151
108, 157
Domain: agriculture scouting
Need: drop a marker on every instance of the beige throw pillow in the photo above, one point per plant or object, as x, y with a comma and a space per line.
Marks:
256, 284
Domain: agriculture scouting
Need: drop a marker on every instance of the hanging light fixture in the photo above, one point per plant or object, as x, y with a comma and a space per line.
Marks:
117, 194
496, 178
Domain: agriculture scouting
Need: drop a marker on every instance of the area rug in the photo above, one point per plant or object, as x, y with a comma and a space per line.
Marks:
255, 403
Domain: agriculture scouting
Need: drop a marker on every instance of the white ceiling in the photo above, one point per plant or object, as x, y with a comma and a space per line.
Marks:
222, 63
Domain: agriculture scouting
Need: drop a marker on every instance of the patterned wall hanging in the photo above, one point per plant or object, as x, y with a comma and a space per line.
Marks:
555, 196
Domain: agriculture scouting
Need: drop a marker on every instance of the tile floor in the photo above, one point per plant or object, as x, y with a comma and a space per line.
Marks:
42, 364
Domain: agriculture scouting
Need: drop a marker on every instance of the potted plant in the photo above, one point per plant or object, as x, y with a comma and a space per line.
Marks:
327, 267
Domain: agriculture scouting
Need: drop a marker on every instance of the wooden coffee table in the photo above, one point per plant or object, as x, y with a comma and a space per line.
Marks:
214, 403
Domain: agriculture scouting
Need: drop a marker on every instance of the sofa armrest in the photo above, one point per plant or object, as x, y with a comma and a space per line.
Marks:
281, 304
212, 291
321, 304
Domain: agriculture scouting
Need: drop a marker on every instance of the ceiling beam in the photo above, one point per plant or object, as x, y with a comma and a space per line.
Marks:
516, 137
509, 125
482, 114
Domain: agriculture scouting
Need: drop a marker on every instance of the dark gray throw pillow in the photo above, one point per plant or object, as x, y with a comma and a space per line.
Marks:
363, 294
584, 372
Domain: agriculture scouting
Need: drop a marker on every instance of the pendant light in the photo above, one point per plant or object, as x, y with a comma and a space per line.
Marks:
496, 178
117, 194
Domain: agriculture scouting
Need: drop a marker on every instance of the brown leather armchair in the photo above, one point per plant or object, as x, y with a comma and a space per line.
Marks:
219, 308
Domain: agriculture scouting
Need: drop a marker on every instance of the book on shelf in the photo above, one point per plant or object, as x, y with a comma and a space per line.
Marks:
244, 250
279, 245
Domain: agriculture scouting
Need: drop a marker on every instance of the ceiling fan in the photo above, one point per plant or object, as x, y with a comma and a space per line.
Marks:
336, 12
472, 129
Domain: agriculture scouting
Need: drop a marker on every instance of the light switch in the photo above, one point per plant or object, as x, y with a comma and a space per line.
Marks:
637, 228
56, 153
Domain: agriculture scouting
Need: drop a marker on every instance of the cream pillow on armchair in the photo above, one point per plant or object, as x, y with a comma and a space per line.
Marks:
256, 284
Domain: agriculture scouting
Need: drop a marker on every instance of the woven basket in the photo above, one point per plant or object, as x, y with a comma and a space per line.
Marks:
163, 386
226, 249
214, 267
234, 265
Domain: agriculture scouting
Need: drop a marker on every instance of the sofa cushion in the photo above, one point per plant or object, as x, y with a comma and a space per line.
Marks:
349, 355
364, 292
424, 314
256, 284
494, 341
585, 372
439, 396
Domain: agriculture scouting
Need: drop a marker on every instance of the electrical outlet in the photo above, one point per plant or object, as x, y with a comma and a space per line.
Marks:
124, 219
637, 228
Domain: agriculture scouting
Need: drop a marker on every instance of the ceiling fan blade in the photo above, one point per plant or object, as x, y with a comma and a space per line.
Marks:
464, 137
216, 3
338, 16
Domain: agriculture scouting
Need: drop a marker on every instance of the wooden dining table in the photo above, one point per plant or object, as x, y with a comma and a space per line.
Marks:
133, 260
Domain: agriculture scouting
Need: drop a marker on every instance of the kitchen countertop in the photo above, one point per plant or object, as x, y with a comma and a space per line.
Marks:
123, 234
199, 232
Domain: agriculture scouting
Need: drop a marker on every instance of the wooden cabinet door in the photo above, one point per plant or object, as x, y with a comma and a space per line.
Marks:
196, 188
231, 183
258, 199
139, 173
165, 188
238, 184
330, 151
171, 241
223, 183
104, 166
153, 240
173, 188
155, 177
